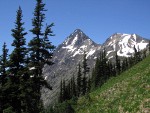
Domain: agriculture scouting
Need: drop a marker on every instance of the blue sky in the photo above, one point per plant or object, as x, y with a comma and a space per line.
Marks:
97, 18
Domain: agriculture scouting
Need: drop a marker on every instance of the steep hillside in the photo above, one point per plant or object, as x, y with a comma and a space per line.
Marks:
69, 54
127, 93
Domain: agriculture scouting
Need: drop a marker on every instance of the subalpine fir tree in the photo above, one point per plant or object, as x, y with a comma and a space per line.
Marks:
64, 91
137, 55
85, 71
149, 46
73, 88
41, 51
89, 85
118, 65
17, 57
105, 66
131, 61
79, 80
3, 78
17, 62
100, 66
103, 70
144, 54
110, 69
3, 64
123, 65
61, 92
96, 75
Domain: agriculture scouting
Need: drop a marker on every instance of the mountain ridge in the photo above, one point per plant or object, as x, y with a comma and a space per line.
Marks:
69, 54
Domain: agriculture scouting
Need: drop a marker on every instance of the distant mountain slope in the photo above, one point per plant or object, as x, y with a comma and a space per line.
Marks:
66, 58
127, 93
124, 44
70, 53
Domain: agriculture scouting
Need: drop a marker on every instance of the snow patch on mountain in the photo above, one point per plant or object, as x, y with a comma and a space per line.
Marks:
91, 52
83, 47
142, 45
70, 53
134, 36
79, 51
124, 44
74, 40
108, 52
110, 57
126, 37
71, 47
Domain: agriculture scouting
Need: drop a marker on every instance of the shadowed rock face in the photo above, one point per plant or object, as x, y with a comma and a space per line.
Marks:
69, 54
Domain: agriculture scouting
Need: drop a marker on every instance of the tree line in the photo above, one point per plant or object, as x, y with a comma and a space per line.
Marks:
76, 86
83, 84
21, 71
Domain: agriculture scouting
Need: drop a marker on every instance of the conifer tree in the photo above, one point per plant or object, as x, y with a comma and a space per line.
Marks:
118, 65
105, 66
101, 69
41, 51
126, 63
73, 88
149, 46
144, 54
64, 92
61, 92
79, 80
40, 47
131, 61
93, 78
123, 65
110, 69
3, 78
97, 73
17, 62
68, 91
17, 57
85, 71
3, 64
89, 85
137, 55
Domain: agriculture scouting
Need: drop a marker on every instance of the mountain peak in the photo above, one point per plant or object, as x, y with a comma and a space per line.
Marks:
77, 31
76, 38
124, 44
70, 53
78, 42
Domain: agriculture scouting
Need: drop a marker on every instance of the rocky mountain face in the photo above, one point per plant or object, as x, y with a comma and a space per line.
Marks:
124, 44
69, 54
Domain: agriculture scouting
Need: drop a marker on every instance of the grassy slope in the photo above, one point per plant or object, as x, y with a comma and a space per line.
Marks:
127, 93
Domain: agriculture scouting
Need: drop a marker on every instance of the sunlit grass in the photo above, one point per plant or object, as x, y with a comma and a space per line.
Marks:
127, 93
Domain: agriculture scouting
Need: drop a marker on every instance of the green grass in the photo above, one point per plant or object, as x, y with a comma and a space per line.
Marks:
126, 93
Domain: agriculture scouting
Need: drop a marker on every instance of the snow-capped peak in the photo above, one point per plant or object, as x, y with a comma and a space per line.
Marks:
78, 31
124, 44
77, 35
70, 53
77, 43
